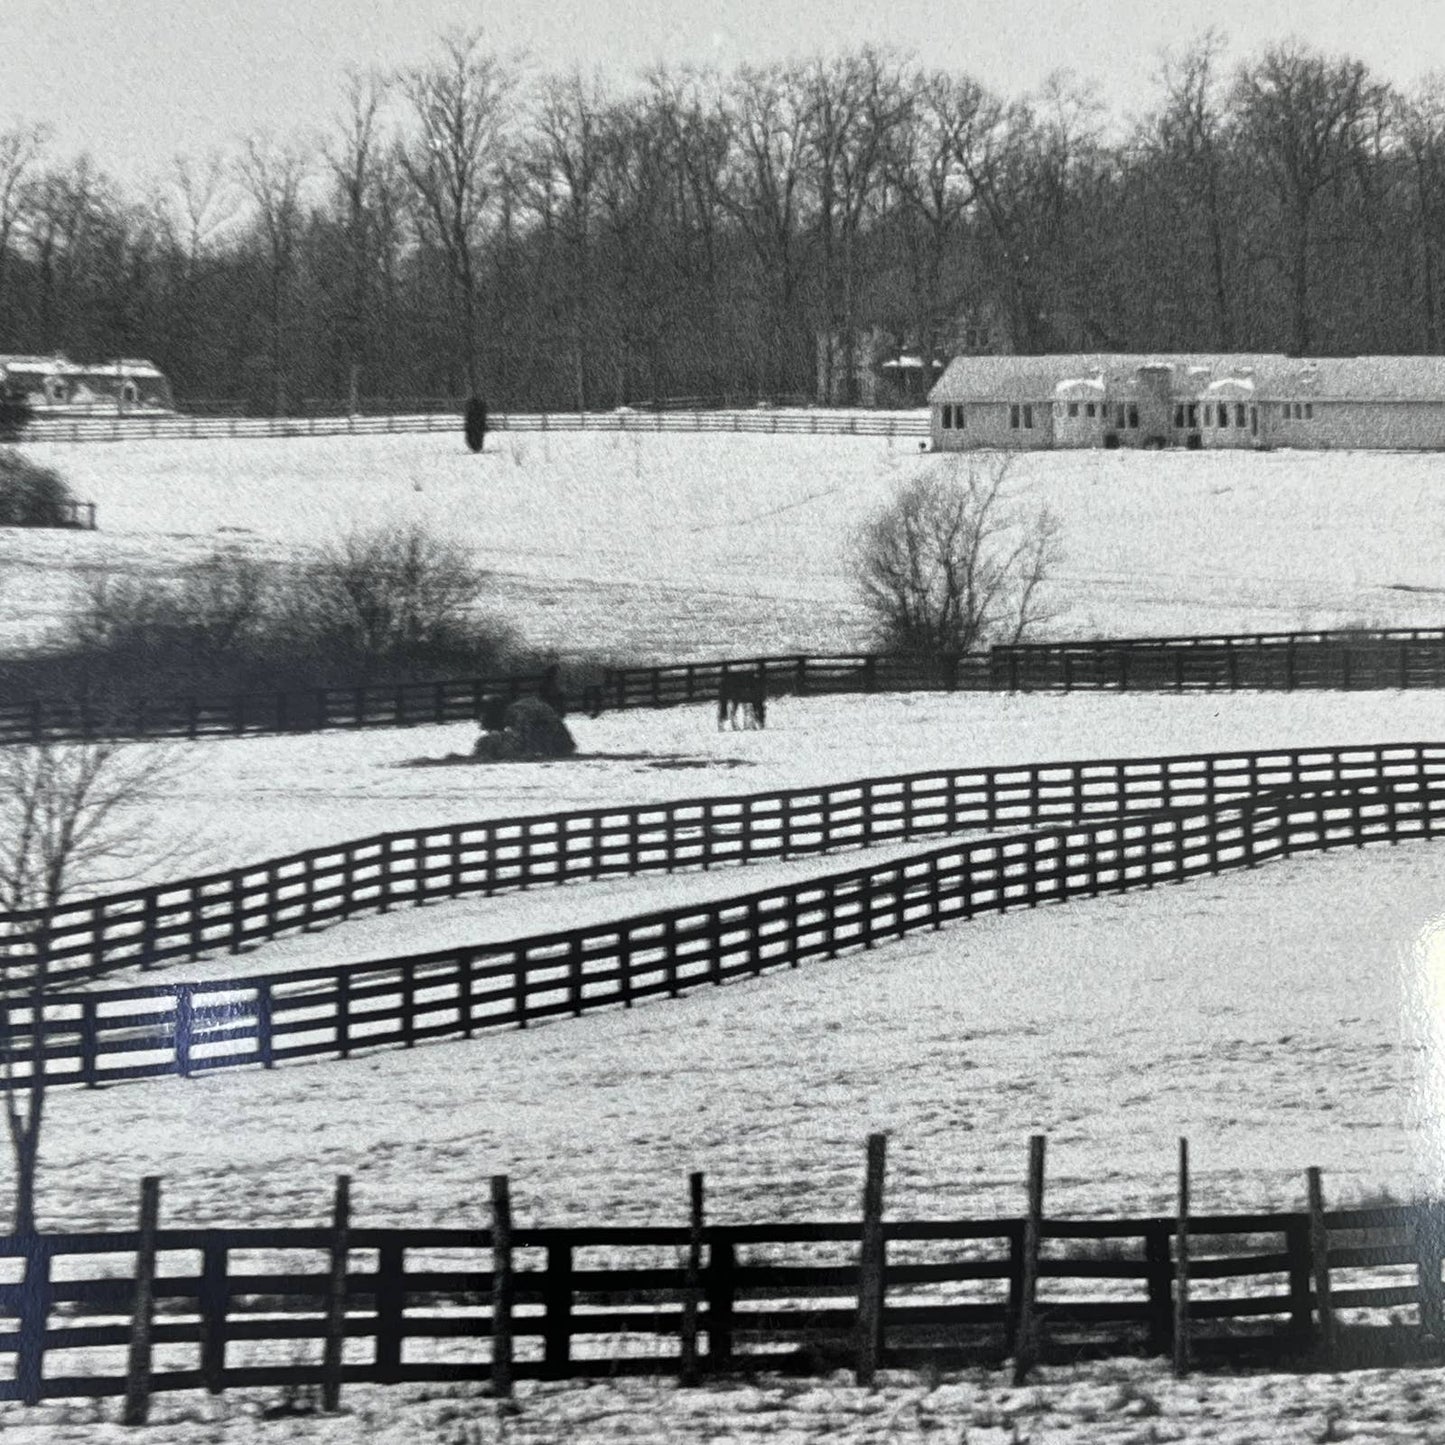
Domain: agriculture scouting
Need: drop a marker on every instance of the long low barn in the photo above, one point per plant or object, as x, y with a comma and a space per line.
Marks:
1262, 400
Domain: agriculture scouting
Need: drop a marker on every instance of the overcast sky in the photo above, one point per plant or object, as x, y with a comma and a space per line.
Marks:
136, 84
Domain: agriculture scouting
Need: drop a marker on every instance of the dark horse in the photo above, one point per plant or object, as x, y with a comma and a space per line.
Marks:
745, 695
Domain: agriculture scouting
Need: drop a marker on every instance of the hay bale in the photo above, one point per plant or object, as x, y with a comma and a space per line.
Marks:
540, 731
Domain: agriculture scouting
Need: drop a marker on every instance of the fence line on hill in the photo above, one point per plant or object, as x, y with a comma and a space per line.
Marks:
770, 421
146, 1031
231, 909
1403, 658
213, 1308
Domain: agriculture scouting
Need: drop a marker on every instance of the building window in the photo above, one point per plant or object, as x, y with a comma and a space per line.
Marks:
1298, 412
958, 416
1134, 418
947, 417
1284, 411
1223, 413
1073, 408
1013, 416
1088, 408
1119, 417
1179, 415
1193, 410
1309, 411
1028, 416
1239, 413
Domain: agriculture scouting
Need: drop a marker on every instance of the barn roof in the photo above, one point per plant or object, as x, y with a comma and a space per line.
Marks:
1274, 377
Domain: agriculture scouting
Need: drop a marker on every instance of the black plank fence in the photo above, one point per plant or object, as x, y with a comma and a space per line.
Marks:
1287, 661
1366, 659
152, 1309
237, 908
113, 1035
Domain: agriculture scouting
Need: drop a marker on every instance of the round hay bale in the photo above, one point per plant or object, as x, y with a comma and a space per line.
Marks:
540, 731
476, 423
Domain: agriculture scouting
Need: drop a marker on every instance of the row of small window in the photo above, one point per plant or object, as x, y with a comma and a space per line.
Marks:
1123, 416
1308, 413
1216, 414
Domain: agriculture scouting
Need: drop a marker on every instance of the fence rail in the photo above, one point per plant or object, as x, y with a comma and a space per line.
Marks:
1287, 661
1392, 658
114, 1035
338, 1304
236, 908
772, 421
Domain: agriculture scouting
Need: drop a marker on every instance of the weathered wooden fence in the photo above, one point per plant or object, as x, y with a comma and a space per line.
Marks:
137, 1312
112, 1035
374, 705
1290, 661
1387, 658
236, 908
772, 421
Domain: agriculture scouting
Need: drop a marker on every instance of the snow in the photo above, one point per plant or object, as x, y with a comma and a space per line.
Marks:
234, 801
1279, 1019
719, 543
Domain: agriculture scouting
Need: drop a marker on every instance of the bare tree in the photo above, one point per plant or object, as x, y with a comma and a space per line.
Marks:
274, 175
20, 149
1301, 114
387, 595
71, 815
461, 114
955, 562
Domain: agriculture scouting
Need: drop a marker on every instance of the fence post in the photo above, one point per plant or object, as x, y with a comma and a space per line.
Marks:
1429, 1246
1320, 1259
336, 1296
722, 1263
213, 1304
557, 1293
34, 1317
390, 1299
502, 1288
138, 1364
692, 1284
1026, 1342
185, 1024
871, 1264
1181, 1268
1159, 1276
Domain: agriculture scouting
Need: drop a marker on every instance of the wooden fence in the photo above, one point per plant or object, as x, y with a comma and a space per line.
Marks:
145, 1031
374, 705
241, 907
152, 1309
780, 421
1388, 658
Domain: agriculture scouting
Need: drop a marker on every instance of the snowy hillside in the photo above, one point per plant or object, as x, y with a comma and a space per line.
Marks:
726, 544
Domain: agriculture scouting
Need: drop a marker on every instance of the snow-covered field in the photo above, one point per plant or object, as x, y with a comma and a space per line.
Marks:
233, 801
1279, 1019
730, 544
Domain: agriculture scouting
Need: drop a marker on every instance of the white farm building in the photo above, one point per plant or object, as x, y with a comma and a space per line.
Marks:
1106, 400
57, 385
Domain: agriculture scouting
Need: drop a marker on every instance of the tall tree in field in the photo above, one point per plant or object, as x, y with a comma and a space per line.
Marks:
460, 112
70, 816
1301, 113
273, 176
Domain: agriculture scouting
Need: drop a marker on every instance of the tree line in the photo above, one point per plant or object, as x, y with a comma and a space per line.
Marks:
467, 226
